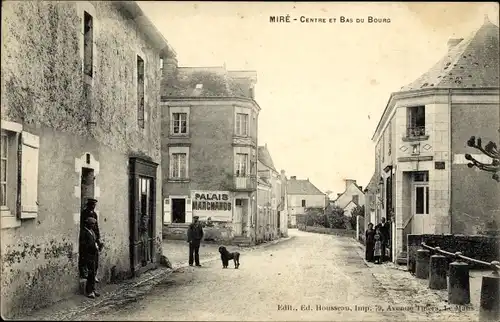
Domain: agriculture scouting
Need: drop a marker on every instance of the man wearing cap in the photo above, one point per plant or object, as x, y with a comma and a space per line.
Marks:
89, 212
89, 254
194, 237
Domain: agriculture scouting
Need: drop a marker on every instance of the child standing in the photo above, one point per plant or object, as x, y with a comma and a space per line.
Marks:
377, 252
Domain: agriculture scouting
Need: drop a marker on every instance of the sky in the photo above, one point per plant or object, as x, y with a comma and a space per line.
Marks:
322, 87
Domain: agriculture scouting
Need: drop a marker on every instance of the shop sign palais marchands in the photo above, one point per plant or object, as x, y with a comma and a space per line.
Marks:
218, 205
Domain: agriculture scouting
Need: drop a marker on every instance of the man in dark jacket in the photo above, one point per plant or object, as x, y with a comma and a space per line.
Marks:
385, 231
89, 254
194, 237
89, 212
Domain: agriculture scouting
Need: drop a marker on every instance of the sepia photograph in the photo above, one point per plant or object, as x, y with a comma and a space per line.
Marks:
250, 161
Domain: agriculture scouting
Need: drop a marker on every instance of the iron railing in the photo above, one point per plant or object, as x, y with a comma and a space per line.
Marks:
248, 182
416, 131
494, 265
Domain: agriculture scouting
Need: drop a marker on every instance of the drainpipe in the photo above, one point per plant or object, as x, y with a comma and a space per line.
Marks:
450, 161
19, 138
256, 212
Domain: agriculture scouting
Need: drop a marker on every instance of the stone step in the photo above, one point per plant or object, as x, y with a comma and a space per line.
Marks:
241, 238
402, 260
177, 225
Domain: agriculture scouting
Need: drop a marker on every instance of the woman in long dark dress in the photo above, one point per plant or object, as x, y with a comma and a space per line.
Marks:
369, 242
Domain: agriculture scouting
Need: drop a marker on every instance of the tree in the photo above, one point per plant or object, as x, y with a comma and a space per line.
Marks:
335, 217
358, 211
489, 150
315, 217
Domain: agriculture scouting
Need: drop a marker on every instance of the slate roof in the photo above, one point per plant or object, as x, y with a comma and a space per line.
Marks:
215, 81
302, 187
265, 157
472, 63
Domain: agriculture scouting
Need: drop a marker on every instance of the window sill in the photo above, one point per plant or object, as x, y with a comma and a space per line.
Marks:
415, 138
179, 135
178, 180
8, 220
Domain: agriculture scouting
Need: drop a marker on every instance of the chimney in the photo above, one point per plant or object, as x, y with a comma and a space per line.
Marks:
338, 195
361, 188
453, 42
283, 172
293, 178
348, 182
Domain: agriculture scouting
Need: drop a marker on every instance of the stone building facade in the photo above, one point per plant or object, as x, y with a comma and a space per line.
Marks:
276, 225
80, 119
265, 220
209, 148
421, 142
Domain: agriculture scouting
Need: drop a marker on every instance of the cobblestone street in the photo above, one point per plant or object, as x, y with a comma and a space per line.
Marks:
287, 281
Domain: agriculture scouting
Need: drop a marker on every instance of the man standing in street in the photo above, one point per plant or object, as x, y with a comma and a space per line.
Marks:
194, 237
89, 212
89, 254
384, 230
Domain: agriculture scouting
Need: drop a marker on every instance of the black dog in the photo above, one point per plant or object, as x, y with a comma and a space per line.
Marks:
226, 256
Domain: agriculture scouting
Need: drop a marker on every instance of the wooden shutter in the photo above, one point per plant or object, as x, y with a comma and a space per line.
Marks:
189, 210
167, 217
238, 124
29, 175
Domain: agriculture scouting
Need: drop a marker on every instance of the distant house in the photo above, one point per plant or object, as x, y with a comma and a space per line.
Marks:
352, 197
302, 194
350, 207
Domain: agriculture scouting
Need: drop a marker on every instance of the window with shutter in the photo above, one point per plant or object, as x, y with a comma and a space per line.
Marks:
29, 175
179, 163
167, 218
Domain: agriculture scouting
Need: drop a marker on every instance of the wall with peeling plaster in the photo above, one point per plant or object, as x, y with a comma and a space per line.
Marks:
42, 88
